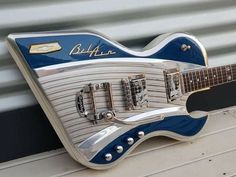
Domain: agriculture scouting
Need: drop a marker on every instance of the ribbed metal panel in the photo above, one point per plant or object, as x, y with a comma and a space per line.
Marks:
131, 22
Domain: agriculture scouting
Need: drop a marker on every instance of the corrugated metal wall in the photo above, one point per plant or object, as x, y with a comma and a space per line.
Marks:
131, 22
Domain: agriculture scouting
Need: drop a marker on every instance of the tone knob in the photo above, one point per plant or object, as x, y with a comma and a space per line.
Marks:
108, 157
141, 134
119, 149
130, 141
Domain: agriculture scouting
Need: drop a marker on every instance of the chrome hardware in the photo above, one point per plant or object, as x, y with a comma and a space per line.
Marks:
44, 48
93, 114
119, 149
130, 141
141, 134
135, 91
185, 47
108, 157
172, 82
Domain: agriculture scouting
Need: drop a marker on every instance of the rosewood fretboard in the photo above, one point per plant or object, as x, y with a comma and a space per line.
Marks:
208, 77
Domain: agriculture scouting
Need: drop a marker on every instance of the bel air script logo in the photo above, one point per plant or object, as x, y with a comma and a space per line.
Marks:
90, 51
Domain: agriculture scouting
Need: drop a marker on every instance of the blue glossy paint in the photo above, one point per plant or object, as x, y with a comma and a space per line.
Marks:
170, 51
183, 125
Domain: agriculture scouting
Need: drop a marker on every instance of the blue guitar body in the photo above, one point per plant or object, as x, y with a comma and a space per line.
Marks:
104, 99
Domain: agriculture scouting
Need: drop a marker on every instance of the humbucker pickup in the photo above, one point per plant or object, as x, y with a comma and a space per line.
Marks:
173, 85
135, 91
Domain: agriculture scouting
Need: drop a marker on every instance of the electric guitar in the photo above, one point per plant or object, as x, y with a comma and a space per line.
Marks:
104, 99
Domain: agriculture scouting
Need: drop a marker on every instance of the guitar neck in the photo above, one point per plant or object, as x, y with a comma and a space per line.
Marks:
208, 77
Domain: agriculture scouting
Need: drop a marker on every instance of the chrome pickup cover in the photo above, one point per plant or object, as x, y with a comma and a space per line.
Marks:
135, 91
173, 84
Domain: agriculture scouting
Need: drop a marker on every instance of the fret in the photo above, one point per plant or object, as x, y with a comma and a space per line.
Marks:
230, 72
233, 68
199, 79
219, 73
209, 82
190, 82
233, 72
196, 80
206, 77
210, 75
202, 79
215, 76
185, 83
222, 74
225, 74
189, 88
218, 78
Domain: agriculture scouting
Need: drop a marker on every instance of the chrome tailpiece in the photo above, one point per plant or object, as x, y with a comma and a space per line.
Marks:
92, 112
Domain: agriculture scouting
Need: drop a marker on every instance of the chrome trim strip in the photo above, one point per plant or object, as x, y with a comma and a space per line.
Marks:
54, 69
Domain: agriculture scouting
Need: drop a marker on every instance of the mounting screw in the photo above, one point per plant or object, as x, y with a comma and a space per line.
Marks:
185, 47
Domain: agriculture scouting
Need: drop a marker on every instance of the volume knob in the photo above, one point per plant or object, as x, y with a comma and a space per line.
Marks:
130, 141
141, 134
108, 157
119, 149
